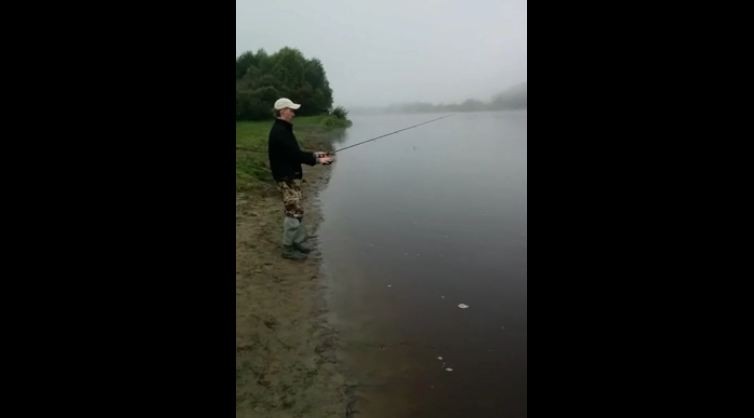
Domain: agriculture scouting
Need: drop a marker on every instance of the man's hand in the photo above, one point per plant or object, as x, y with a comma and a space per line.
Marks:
324, 158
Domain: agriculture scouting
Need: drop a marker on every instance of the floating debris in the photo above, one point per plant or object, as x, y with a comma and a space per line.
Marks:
439, 357
448, 369
389, 285
463, 306
442, 297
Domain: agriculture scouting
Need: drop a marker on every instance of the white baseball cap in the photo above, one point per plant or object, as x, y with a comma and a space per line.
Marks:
283, 103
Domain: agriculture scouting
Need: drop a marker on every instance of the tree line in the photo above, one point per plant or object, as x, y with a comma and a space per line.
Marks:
262, 78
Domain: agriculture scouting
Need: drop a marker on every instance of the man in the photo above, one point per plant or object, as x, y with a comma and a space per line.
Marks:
285, 162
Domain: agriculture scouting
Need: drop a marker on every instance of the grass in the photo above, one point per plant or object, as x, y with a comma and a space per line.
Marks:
315, 133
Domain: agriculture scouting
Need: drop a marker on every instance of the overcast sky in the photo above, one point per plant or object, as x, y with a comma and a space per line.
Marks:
377, 53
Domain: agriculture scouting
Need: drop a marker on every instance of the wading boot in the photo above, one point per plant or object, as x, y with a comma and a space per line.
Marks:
291, 253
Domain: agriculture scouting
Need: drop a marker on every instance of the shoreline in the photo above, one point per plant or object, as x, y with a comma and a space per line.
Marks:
286, 363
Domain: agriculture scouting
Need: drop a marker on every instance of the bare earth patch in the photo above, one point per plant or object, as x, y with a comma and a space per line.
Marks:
285, 351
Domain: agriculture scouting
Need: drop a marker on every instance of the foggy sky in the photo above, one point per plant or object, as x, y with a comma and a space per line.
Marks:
377, 53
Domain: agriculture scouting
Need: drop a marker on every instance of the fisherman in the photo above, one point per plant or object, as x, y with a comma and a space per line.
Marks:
286, 158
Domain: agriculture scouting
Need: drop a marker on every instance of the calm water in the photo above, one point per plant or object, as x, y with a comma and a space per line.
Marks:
415, 224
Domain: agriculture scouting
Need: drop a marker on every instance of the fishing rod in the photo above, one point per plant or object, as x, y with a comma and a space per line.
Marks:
388, 134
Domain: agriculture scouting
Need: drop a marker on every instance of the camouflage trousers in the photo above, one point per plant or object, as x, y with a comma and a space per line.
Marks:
293, 229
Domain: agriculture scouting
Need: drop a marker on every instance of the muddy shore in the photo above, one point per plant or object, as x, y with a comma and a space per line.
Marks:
286, 363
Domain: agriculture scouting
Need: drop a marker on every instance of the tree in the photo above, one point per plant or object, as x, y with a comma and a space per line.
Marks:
262, 78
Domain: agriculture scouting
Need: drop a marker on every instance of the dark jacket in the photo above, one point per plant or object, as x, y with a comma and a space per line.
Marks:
285, 155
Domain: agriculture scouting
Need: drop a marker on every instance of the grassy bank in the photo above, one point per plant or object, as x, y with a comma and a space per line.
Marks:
252, 167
